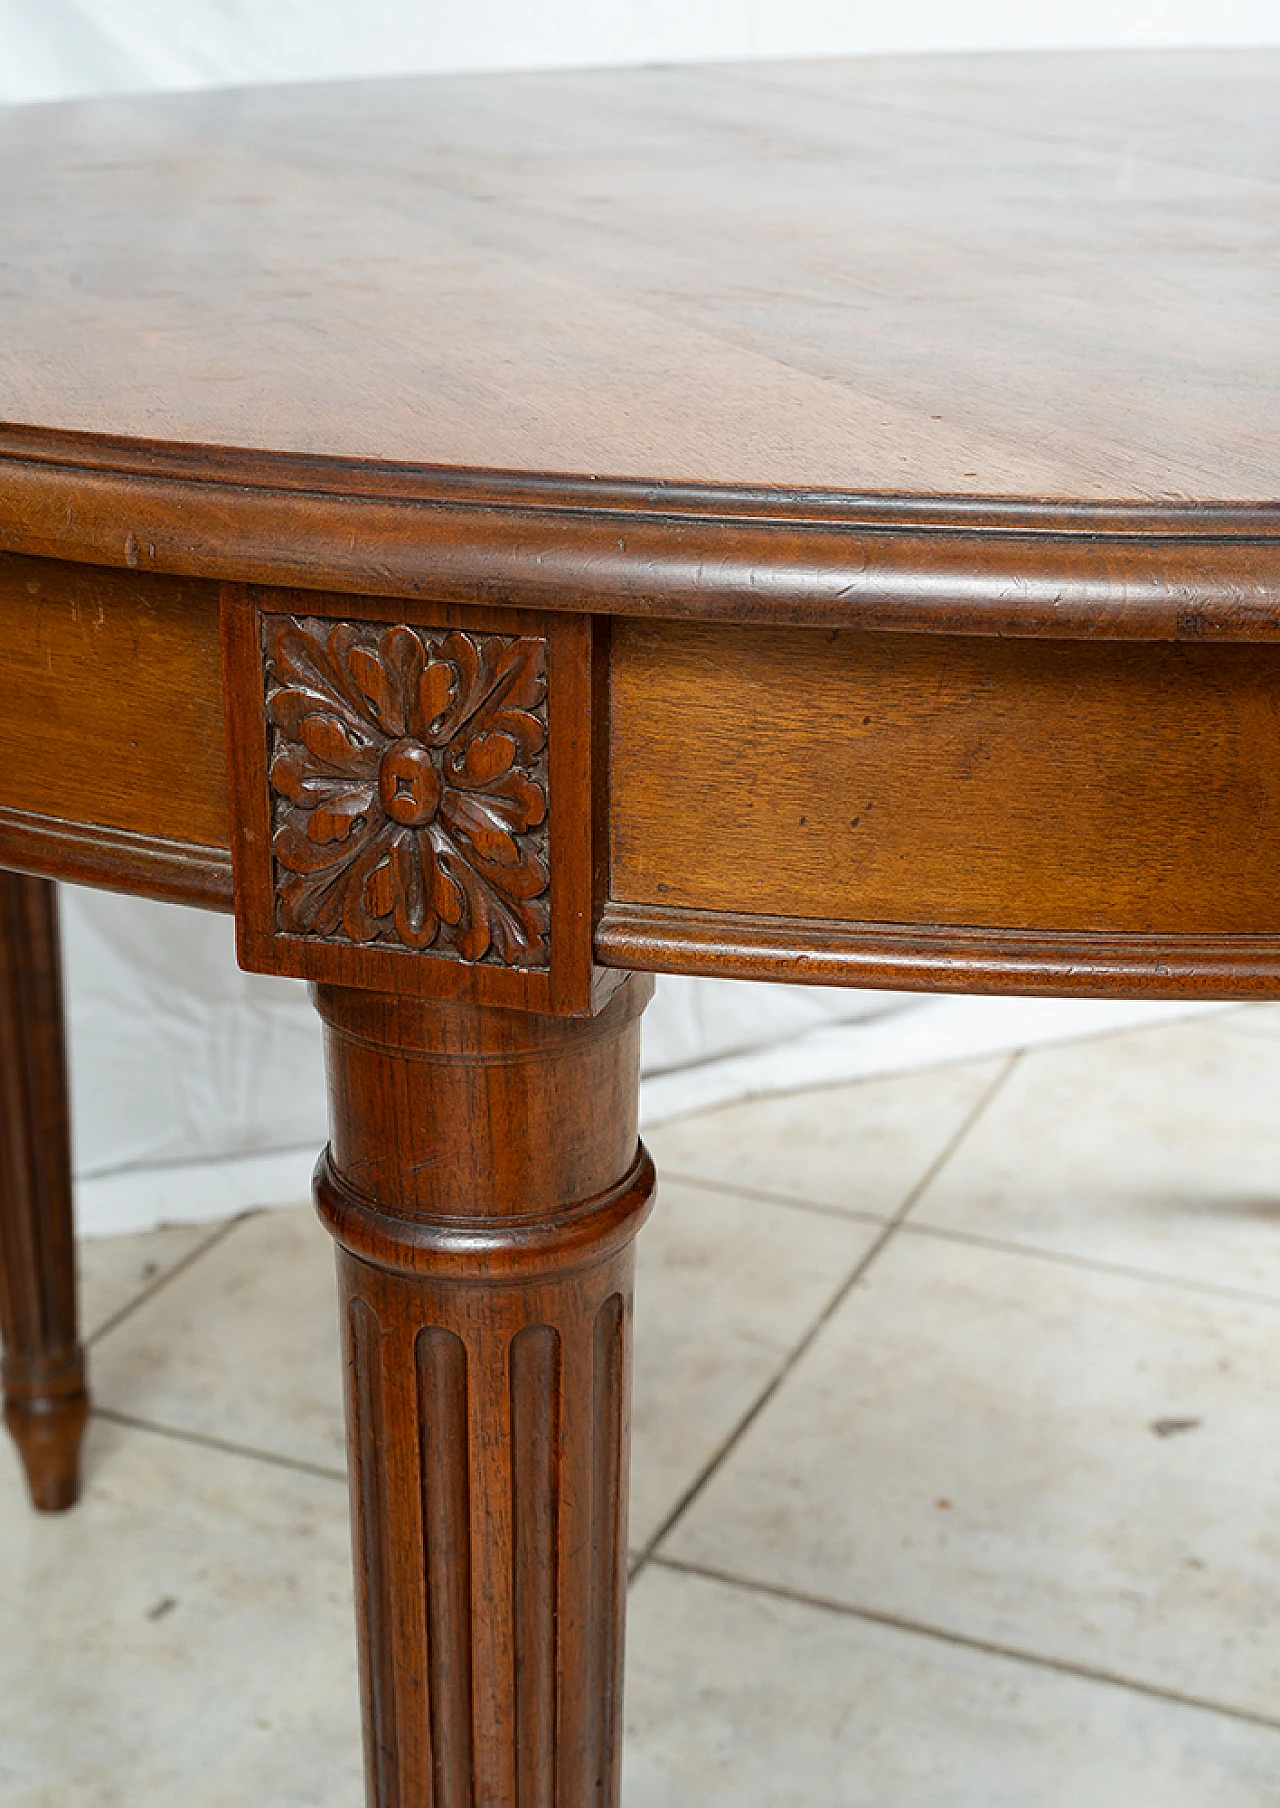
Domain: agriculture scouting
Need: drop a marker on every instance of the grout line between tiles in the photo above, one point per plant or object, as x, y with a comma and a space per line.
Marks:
1112, 1033
225, 1445
876, 1076
1092, 1264
989, 1647
798, 1350
219, 1235
763, 1197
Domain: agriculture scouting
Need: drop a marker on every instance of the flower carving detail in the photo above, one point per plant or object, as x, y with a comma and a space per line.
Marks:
409, 789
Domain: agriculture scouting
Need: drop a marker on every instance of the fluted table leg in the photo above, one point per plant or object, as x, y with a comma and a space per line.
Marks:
44, 1394
484, 1183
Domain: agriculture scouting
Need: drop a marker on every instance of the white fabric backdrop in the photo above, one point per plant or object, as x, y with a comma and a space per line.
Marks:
52, 48
198, 1089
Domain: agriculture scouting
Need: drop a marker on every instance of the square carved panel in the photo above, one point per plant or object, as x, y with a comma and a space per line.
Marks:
409, 787
413, 799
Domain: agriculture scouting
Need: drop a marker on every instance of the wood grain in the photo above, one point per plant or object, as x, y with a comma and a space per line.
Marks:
112, 711
547, 753
45, 1404
484, 1184
1066, 569
924, 957
179, 872
443, 1435
408, 777
863, 277
910, 780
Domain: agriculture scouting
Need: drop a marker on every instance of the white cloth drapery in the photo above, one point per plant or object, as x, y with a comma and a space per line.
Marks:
199, 1089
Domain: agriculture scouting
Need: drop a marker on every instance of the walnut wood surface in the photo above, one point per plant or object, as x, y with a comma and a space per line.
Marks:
997, 276
814, 319
925, 958
408, 776
111, 712
946, 565
903, 779
484, 1184
415, 795
44, 1394
156, 866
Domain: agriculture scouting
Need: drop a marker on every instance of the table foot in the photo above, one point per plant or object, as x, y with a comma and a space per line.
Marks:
48, 1430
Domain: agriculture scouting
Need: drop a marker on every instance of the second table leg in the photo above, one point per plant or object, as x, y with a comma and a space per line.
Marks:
45, 1404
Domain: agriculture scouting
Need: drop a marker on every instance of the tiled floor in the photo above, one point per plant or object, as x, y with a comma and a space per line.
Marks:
957, 1475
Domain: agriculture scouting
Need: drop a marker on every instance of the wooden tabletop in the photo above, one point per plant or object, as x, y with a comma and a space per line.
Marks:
1047, 276
801, 373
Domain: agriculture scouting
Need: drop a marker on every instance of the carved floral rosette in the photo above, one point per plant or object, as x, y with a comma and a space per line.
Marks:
409, 787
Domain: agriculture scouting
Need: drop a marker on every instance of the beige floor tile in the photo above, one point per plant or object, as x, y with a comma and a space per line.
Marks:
242, 1346
859, 1148
1254, 1019
114, 1271
183, 1637
724, 1289
1159, 1150
971, 1444
735, 1700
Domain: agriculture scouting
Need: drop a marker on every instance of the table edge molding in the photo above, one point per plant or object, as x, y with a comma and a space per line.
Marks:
936, 958
177, 872
919, 564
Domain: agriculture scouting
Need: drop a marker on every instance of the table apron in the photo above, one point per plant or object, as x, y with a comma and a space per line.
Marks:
831, 806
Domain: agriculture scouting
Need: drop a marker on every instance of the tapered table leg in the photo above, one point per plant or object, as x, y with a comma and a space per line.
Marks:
44, 1394
484, 1183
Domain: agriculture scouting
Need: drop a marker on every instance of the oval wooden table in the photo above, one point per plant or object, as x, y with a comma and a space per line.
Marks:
506, 536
